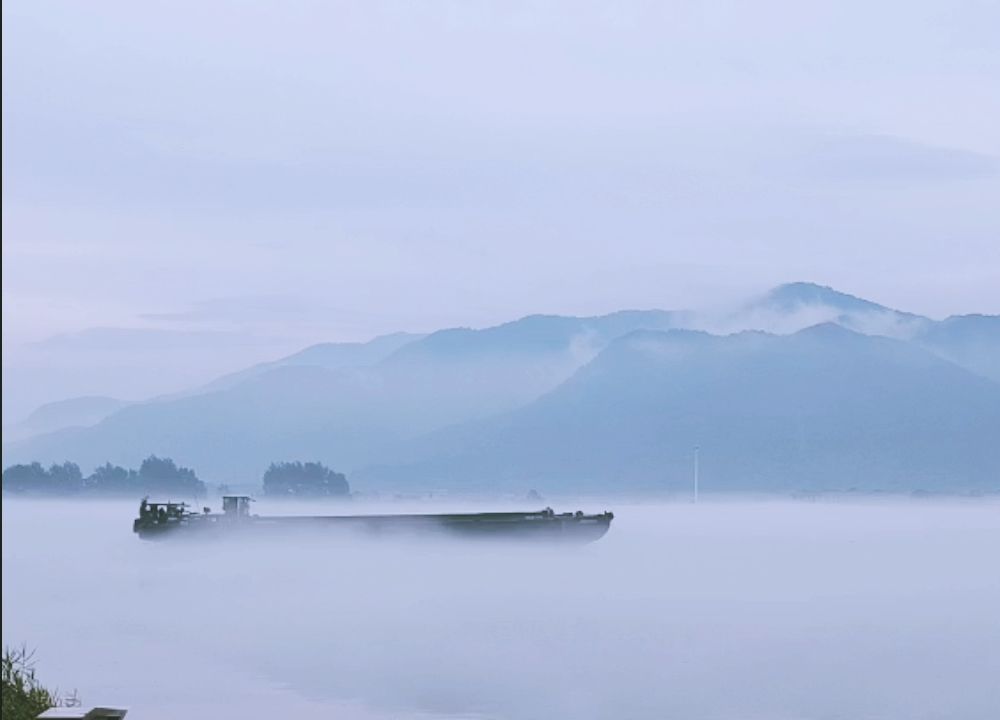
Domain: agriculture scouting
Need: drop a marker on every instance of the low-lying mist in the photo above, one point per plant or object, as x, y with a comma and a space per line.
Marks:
726, 609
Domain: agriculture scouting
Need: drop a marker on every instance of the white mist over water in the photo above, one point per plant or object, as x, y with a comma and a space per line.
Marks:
721, 610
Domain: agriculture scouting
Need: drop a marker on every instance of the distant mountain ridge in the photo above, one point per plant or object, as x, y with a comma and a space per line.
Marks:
972, 341
74, 412
795, 306
825, 408
348, 414
792, 296
325, 355
398, 406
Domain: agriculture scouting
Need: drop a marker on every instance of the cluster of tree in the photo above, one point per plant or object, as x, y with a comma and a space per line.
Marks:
24, 697
156, 476
297, 479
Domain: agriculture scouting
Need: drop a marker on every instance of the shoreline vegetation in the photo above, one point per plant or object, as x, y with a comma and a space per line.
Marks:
296, 480
24, 696
162, 476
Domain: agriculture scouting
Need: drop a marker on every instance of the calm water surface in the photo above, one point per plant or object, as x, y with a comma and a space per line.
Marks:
722, 610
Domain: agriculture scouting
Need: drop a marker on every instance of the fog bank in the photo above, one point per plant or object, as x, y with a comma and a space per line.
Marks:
720, 610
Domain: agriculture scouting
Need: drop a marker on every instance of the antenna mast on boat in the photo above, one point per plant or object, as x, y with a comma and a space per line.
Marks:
697, 450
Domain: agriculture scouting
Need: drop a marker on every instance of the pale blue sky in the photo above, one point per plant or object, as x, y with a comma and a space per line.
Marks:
217, 183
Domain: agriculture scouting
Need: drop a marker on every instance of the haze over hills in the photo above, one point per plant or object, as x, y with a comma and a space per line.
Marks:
74, 412
825, 408
972, 341
331, 356
795, 306
350, 415
791, 297
609, 402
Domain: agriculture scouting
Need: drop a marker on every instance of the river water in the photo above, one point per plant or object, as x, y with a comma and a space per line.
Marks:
726, 609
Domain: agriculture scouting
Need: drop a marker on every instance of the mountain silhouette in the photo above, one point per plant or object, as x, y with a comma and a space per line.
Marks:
616, 401
825, 408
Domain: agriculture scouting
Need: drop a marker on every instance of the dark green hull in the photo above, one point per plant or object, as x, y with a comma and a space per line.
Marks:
541, 525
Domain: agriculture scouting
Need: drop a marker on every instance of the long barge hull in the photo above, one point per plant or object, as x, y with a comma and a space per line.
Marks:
541, 525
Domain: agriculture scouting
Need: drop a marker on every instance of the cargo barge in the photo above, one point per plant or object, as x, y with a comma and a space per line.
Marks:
160, 520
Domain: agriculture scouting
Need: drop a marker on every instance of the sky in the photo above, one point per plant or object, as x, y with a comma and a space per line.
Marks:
191, 187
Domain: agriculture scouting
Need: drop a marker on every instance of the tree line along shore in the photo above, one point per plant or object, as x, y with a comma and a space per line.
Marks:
158, 476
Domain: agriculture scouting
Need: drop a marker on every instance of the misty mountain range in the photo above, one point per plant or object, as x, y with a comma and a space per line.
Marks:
805, 388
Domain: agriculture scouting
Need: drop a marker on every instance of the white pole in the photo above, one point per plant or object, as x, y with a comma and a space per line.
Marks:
696, 451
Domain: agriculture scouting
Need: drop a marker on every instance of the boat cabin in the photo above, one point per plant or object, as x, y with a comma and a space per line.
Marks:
157, 512
236, 506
